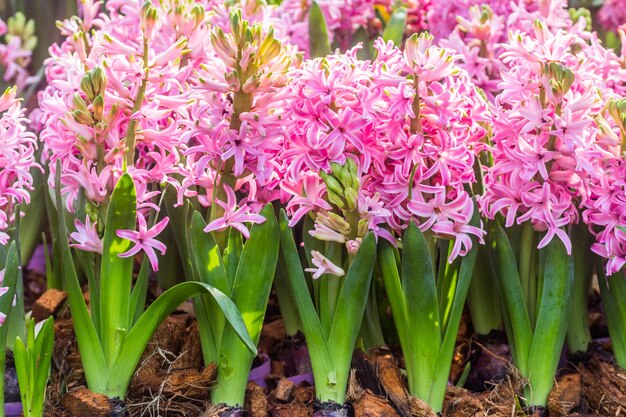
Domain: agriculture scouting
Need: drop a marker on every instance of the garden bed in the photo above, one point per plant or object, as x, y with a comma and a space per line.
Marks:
171, 380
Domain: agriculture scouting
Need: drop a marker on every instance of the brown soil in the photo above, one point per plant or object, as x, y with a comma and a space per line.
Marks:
172, 381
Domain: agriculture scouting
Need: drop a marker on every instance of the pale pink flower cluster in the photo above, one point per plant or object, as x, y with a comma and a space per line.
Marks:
234, 131
17, 159
117, 87
544, 134
605, 210
182, 93
411, 124
16, 51
482, 29
612, 14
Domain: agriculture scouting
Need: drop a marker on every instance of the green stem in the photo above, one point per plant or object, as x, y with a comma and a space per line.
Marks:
483, 299
613, 293
288, 309
330, 288
525, 259
578, 334
131, 131
371, 330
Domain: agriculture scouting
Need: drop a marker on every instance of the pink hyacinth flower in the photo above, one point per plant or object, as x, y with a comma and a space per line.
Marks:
86, 236
233, 217
323, 266
144, 239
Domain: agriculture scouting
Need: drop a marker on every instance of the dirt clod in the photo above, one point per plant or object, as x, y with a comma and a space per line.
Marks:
83, 402
370, 405
284, 388
604, 388
256, 401
48, 304
565, 395
290, 410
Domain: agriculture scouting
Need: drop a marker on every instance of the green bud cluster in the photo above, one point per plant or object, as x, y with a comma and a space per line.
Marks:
342, 184
93, 84
18, 26
560, 78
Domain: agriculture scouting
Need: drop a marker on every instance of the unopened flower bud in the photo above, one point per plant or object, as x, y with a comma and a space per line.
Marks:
98, 107
87, 87
352, 198
331, 183
79, 103
197, 12
99, 80
84, 118
335, 199
148, 18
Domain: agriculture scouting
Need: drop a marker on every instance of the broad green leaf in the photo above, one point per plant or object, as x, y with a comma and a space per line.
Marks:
43, 352
255, 273
395, 294
612, 290
139, 292
420, 292
394, 30
231, 255
209, 268
33, 221
88, 265
10, 266
465, 268
517, 324
117, 273
251, 290
206, 256
92, 356
552, 319
330, 287
286, 303
22, 369
350, 310
321, 358
551, 323
319, 45
137, 339
578, 332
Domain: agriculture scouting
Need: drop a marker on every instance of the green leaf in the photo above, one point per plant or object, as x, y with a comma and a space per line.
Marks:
420, 291
209, 268
33, 222
231, 255
91, 354
43, 358
139, 292
517, 324
251, 291
350, 310
395, 294
319, 45
465, 269
552, 322
137, 339
117, 273
206, 256
394, 31
321, 359
10, 264
22, 369
612, 291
